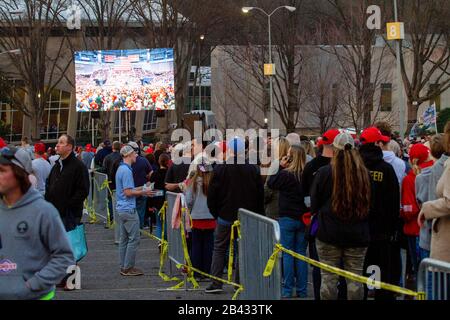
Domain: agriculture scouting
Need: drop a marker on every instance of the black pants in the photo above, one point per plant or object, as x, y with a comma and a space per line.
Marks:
317, 280
202, 249
386, 255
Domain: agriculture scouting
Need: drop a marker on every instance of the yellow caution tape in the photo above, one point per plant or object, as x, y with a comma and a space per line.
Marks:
349, 275
187, 259
188, 265
239, 287
236, 225
164, 246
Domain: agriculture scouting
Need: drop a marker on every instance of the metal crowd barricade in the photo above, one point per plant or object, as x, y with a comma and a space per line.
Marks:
100, 196
259, 235
91, 189
434, 279
175, 252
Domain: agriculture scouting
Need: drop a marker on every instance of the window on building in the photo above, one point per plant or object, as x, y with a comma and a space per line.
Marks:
11, 119
150, 120
128, 120
436, 96
56, 115
386, 97
194, 102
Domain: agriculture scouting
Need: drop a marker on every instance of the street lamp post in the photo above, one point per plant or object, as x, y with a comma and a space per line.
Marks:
269, 15
401, 100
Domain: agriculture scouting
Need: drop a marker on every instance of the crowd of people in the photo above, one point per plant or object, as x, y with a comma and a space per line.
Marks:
125, 90
348, 201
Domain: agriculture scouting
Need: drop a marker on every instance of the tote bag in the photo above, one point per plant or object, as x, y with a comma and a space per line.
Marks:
77, 239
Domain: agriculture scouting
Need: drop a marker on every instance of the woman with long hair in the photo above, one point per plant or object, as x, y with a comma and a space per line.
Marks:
280, 148
340, 196
203, 223
291, 207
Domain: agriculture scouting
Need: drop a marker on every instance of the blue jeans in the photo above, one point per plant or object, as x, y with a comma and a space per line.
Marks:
202, 249
141, 207
294, 273
158, 228
129, 238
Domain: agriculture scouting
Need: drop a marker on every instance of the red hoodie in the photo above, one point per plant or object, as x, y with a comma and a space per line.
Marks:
410, 210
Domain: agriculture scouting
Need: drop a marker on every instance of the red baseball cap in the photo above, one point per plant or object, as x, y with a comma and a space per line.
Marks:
373, 135
419, 151
319, 142
328, 137
39, 147
2, 143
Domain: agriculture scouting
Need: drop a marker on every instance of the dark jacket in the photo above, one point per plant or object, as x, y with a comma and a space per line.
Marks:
111, 164
141, 169
158, 177
332, 229
384, 216
310, 171
291, 198
67, 188
178, 172
101, 155
235, 186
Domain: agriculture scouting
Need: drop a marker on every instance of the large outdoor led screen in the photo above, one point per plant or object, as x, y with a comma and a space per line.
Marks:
125, 80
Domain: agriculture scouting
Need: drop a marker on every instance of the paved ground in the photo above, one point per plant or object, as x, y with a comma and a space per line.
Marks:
101, 280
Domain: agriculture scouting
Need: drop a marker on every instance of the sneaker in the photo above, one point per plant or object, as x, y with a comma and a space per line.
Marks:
131, 272
214, 288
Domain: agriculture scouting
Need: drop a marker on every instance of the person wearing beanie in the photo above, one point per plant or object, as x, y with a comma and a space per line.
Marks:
340, 197
309, 173
384, 221
34, 249
235, 184
419, 157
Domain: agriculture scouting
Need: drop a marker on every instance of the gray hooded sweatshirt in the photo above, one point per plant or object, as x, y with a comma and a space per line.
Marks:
34, 248
197, 203
426, 183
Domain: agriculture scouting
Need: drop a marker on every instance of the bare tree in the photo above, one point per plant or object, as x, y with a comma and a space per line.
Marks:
344, 29
425, 56
106, 28
322, 81
177, 24
43, 59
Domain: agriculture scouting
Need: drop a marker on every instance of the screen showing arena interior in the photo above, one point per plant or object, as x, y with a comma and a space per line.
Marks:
138, 79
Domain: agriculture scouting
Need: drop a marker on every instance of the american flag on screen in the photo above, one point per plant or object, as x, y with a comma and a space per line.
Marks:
109, 58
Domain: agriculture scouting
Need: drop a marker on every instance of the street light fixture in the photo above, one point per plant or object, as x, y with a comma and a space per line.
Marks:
271, 66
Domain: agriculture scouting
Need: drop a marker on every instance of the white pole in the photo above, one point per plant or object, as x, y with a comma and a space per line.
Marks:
120, 126
93, 121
